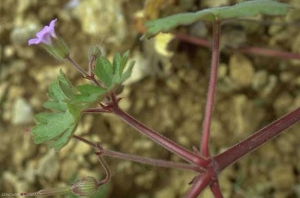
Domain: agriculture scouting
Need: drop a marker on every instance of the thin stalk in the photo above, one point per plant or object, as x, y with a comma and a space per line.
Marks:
243, 49
48, 192
151, 161
144, 160
86, 141
95, 110
268, 52
77, 67
215, 188
161, 140
193, 40
92, 65
199, 184
107, 171
211, 90
257, 139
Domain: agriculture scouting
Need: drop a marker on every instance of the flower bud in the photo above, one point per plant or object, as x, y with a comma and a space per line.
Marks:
95, 51
85, 186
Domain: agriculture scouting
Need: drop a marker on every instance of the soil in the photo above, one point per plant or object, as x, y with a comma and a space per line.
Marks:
166, 92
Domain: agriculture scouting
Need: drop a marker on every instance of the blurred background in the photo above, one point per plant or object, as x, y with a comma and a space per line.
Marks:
166, 92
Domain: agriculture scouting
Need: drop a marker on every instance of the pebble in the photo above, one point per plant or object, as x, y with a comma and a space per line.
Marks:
68, 169
282, 177
241, 70
48, 166
259, 80
82, 148
22, 112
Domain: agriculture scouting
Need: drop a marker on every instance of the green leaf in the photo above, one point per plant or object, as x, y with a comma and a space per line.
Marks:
104, 70
90, 89
123, 61
68, 101
55, 105
65, 85
56, 124
116, 62
244, 9
64, 139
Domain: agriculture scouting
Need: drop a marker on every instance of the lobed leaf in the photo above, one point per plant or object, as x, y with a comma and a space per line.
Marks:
104, 70
68, 101
117, 70
244, 9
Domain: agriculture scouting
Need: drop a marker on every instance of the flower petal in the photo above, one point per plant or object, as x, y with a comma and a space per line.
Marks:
51, 29
44, 36
34, 41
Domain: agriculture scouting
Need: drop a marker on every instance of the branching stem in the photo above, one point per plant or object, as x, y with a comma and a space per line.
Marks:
161, 140
151, 161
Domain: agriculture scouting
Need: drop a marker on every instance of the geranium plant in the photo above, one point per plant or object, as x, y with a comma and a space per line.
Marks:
67, 103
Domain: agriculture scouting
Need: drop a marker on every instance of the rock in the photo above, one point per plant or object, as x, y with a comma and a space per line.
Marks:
145, 180
24, 31
283, 103
93, 13
214, 3
241, 70
18, 184
233, 36
165, 192
48, 167
22, 113
282, 177
82, 148
84, 127
259, 80
198, 29
268, 89
25, 143
222, 70
68, 169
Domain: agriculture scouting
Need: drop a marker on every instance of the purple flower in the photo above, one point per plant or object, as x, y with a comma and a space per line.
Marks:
44, 36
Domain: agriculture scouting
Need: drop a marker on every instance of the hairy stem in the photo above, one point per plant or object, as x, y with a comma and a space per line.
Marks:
85, 141
268, 52
95, 110
244, 49
107, 171
257, 139
211, 90
151, 161
199, 184
161, 140
77, 67
215, 188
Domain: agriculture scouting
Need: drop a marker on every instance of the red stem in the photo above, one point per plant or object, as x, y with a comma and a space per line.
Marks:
107, 171
194, 40
155, 162
199, 184
211, 90
257, 139
268, 52
246, 50
215, 188
95, 110
139, 159
161, 140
